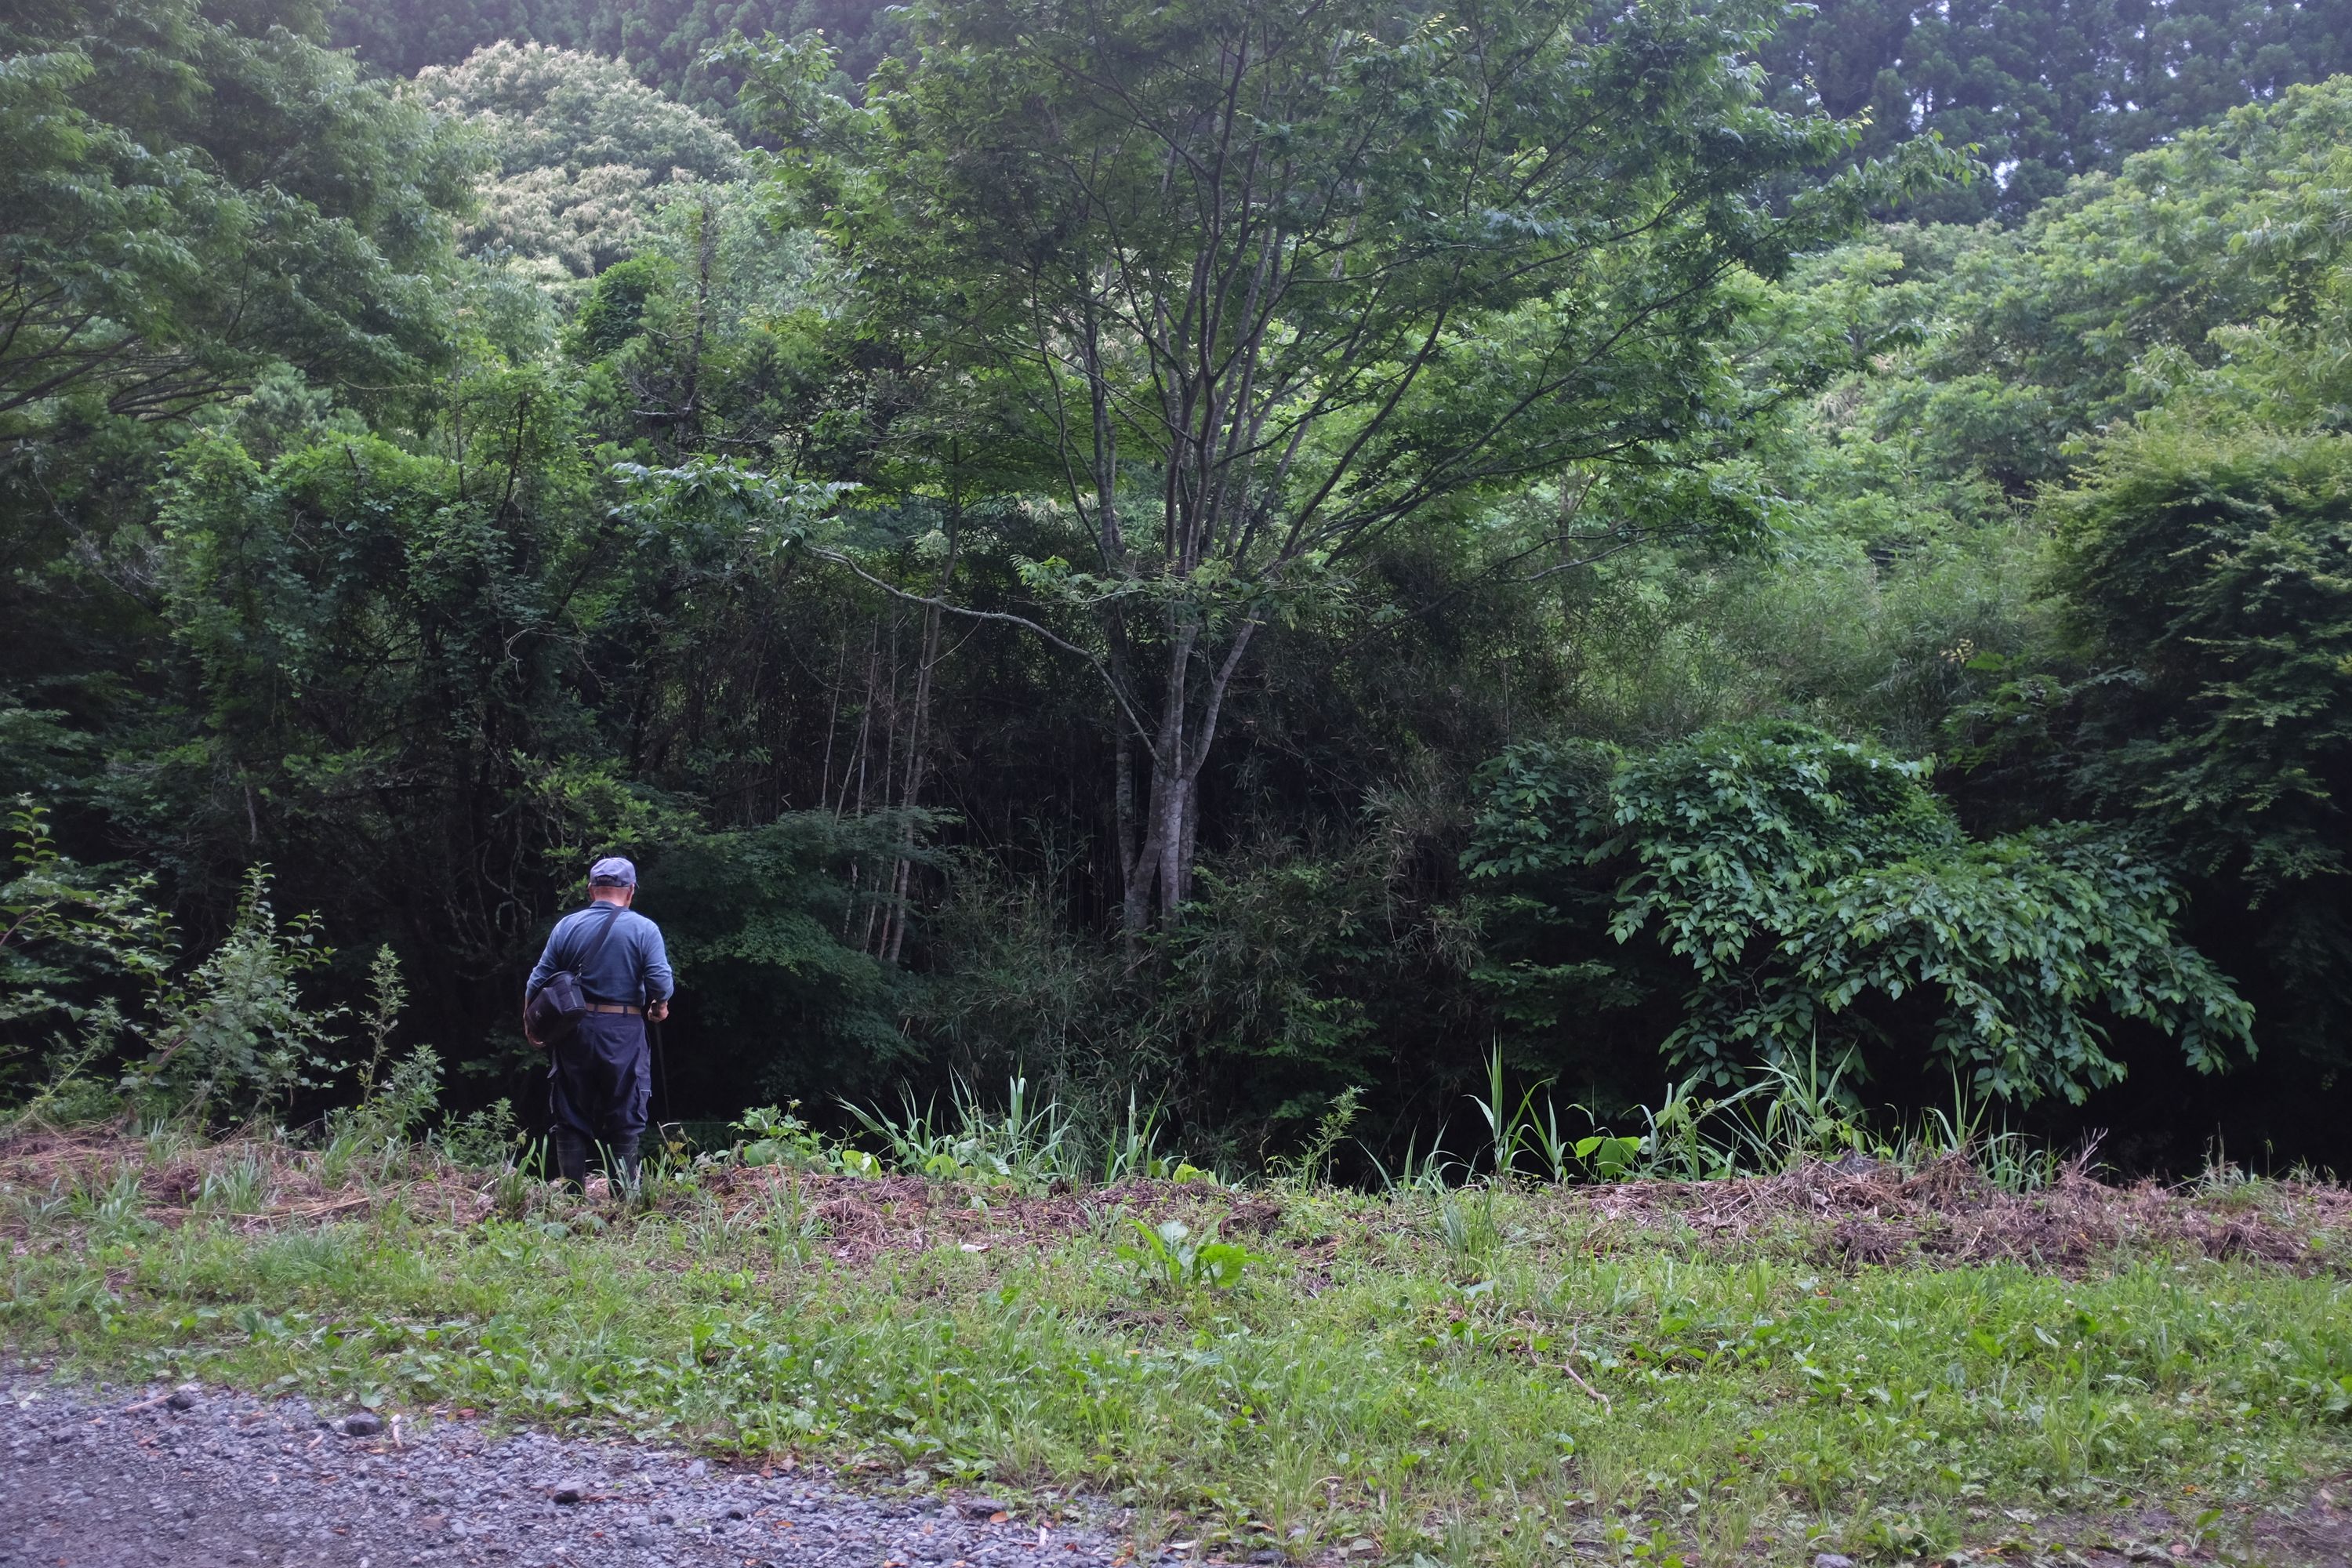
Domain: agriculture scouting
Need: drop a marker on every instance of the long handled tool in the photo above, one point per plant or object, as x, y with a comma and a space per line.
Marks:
661, 1069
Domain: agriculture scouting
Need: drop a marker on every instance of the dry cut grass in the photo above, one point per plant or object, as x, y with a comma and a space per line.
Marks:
1850, 1214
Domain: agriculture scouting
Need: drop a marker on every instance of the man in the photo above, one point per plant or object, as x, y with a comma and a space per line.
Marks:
598, 1078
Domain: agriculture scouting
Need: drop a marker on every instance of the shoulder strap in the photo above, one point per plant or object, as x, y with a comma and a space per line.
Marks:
597, 946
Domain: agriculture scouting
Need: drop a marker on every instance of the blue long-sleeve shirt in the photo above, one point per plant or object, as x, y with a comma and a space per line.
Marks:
633, 968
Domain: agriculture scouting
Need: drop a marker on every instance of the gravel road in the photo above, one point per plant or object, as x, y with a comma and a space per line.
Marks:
118, 1476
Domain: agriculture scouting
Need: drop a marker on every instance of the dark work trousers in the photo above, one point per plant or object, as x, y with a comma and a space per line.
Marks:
598, 1083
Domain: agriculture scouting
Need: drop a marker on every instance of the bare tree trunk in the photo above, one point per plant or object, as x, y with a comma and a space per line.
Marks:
1160, 871
865, 731
1126, 850
833, 727
1186, 851
865, 713
918, 731
689, 414
878, 904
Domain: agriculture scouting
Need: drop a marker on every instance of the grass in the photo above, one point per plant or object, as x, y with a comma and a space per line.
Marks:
1504, 1374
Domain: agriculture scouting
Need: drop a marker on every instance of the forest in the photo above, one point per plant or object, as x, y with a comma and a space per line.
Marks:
1230, 557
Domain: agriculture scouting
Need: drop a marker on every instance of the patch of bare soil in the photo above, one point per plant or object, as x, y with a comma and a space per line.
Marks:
260, 1186
1860, 1212
865, 1216
2319, 1533
2313, 1533
256, 1184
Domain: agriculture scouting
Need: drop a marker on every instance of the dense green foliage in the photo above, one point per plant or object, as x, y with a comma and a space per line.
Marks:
2048, 88
667, 41
189, 200
2051, 89
2214, 567
191, 205
1034, 563
1807, 887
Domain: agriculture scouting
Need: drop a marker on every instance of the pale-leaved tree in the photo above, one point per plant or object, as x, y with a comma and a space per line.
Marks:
585, 153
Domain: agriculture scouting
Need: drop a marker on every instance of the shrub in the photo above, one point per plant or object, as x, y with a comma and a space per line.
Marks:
1800, 889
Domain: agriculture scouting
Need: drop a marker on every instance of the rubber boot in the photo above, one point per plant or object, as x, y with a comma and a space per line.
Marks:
571, 1160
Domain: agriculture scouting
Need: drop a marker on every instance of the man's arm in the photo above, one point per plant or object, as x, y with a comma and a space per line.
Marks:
546, 966
658, 979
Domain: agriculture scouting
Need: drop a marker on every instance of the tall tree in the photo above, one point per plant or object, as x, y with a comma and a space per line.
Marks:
196, 200
188, 197
1272, 280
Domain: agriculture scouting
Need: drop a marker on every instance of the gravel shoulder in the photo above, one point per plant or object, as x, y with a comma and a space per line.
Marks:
105, 1475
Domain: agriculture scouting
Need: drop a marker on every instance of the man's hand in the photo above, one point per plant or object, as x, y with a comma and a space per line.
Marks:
658, 1011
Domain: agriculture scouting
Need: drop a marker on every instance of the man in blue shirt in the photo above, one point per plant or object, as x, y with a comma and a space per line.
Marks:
597, 1076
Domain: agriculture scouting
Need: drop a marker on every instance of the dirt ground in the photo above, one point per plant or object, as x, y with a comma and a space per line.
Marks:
1854, 1213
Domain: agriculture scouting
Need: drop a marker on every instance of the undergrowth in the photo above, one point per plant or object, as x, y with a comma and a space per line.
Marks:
1539, 1353
1496, 1374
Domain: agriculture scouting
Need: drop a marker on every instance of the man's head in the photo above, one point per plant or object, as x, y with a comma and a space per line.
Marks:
613, 880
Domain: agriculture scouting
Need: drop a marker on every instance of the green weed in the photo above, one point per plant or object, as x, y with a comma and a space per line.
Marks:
783, 1219
1312, 1164
108, 1209
487, 1138
769, 1136
336, 1155
1026, 1145
1167, 1255
240, 1185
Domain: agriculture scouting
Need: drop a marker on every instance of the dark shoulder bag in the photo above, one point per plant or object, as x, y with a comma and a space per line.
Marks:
556, 1008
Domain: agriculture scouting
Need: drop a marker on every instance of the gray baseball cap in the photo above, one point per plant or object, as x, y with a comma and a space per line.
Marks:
612, 872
